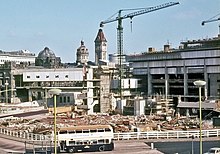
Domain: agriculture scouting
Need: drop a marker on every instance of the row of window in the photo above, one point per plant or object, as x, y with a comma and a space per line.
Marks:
47, 76
65, 99
84, 131
88, 142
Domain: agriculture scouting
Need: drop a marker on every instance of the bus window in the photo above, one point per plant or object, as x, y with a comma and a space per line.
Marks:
93, 141
86, 142
78, 142
100, 141
63, 132
72, 142
107, 141
93, 131
78, 131
100, 130
72, 132
85, 131
107, 130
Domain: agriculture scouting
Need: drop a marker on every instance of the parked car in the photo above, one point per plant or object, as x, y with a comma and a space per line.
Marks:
213, 150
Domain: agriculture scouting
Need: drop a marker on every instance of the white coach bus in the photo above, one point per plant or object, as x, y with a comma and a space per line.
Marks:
86, 138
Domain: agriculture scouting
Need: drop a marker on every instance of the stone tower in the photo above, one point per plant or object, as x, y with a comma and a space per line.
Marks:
100, 47
82, 54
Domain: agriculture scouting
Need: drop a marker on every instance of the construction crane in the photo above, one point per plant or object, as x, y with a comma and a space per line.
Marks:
210, 20
119, 18
213, 19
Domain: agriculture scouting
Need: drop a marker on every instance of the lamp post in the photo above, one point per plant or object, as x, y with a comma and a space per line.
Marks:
55, 92
200, 83
6, 94
192, 144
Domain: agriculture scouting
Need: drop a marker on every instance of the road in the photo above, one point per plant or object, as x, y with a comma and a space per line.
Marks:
181, 146
185, 147
121, 147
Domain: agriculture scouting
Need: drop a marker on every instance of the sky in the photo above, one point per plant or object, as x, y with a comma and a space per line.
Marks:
62, 24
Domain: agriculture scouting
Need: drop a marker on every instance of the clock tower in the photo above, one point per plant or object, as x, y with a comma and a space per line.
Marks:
100, 47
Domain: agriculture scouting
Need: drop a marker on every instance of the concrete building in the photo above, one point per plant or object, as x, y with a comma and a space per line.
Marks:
173, 71
17, 57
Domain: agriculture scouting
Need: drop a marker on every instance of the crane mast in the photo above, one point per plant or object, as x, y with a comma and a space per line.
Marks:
119, 19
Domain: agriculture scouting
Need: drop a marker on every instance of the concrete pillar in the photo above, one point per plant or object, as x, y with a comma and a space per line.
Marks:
206, 80
167, 87
185, 84
149, 83
29, 95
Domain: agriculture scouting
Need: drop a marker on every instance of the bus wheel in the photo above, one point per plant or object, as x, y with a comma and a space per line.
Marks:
101, 148
71, 150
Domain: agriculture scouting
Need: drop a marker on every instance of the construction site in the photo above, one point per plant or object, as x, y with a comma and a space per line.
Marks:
150, 91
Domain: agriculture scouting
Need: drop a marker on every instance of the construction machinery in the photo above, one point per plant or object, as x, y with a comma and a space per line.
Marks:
213, 19
119, 18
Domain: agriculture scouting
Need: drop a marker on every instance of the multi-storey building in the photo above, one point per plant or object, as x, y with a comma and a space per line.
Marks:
173, 71
28, 82
22, 56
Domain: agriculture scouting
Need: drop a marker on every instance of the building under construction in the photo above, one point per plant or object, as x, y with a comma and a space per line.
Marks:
173, 71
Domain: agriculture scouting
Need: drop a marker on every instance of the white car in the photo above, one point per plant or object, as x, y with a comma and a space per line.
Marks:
214, 150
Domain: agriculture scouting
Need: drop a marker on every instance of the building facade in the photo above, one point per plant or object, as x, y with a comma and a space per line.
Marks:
82, 54
100, 47
173, 71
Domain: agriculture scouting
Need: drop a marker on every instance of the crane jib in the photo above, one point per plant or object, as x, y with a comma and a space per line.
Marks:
136, 13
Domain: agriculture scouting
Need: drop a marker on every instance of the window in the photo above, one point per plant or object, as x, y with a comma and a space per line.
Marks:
100, 130
66, 76
28, 77
107, 130
107, 141
85, 142
47, 76
37, 76
62, 132
78, 131
93, 131
72, 142
93, 141
85, 131
68, 99
101, 141
56, 76
72, 132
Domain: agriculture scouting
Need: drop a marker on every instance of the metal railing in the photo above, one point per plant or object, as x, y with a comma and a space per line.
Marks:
25, 136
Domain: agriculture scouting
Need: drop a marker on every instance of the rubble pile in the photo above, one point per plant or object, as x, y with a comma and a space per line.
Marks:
120, 123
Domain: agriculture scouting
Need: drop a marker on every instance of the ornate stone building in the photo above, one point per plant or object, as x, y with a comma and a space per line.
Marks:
82, 54
47, 58
100, 47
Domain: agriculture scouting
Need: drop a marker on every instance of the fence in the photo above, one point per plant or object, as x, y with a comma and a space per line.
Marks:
21, 135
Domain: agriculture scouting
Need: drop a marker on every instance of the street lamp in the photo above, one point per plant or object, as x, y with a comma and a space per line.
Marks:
6, 94
200, 83
55, 92
192, 144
